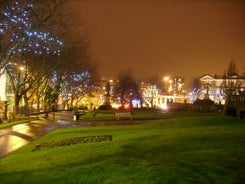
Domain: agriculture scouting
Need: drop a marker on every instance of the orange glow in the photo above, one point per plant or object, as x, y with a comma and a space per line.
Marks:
166, 78
126, 106
115, 105
164, 106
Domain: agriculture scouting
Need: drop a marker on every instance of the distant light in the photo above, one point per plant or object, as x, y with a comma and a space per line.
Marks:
115, 105
135, 102
166, 78
164, 107
127, 106
21, 68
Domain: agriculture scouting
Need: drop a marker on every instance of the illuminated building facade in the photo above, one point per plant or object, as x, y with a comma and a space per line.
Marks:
211, 87
3, 81
6, 92
6, 96
153, 96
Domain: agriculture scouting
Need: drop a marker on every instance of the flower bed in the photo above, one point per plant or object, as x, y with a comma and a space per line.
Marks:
71, 141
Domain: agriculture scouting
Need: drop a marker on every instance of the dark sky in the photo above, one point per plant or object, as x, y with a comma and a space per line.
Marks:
188, 38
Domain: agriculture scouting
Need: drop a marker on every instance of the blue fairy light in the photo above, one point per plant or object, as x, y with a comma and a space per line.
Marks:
25, 38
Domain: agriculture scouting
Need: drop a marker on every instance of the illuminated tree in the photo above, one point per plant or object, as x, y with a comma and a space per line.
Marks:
25, 31
24, 28
68, 77
177, 85
77, 74
29, 31
150, 89
195, 89
21, 81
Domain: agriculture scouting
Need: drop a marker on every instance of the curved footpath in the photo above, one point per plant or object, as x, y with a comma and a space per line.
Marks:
12, 138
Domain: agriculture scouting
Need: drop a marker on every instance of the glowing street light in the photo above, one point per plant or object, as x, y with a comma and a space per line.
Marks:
21, 68
166, 78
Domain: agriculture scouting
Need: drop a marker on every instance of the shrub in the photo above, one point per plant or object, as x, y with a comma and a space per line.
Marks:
230, 111
205, 105
105, 107
204, 102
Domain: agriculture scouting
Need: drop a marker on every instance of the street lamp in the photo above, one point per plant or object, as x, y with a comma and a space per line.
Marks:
21, 68
166, 78
21, 85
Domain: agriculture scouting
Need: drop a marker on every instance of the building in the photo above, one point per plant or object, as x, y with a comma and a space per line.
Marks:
211, 86
6, 96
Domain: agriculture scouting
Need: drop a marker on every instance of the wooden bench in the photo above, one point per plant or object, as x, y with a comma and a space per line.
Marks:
124, 115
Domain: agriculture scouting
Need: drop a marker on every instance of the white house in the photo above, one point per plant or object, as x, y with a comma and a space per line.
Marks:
211, 87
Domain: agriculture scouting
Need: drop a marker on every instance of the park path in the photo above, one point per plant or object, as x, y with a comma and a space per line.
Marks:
13, 138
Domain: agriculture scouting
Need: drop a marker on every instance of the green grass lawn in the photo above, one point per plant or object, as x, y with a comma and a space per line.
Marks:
188, 149
109, 115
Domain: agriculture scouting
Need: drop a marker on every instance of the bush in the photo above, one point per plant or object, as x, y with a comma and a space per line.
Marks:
204, 102
230, 111
205, 105
105, 107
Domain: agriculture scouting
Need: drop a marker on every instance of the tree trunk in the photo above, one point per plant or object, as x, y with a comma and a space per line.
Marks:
26, 109
71, 105
16, 104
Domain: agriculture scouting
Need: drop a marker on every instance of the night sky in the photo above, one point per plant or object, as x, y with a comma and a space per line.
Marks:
188, 38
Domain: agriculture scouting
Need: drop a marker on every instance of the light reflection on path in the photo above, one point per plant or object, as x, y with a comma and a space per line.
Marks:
14, 137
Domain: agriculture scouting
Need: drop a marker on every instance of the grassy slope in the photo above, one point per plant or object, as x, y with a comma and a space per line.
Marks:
208, 149
5, 125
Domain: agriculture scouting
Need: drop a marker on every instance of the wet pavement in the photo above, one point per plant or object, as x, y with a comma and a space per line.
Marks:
12, 138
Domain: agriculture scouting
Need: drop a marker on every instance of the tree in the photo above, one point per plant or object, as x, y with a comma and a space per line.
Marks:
25, 27
230, 86
77, 74
32, 42
150, 89
195, 88
25, 31
126, 90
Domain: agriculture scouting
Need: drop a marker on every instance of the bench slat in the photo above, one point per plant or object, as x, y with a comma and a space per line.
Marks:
123, 114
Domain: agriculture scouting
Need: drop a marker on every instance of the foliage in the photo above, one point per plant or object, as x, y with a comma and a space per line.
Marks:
28, 34
76, 72
105, 107
204, 102
197, 149
230, 111
126, 90
205, 105
231, 85
32, 35
195, 88
24, 28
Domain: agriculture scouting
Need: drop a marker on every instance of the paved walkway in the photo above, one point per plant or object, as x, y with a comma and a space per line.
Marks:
12, 138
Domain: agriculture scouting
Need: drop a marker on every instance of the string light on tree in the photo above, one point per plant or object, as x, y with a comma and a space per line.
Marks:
22, 33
